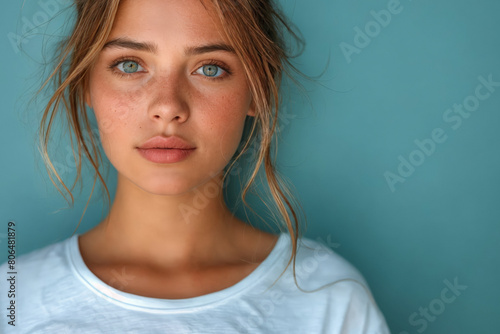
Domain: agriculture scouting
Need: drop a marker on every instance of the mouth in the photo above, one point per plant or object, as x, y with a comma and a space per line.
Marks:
164, 155
165, 148
172, 142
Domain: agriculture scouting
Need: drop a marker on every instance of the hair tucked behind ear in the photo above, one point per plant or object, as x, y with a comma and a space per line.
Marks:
255, 29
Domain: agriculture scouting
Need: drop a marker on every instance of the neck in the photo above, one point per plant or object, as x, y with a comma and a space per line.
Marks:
184, 230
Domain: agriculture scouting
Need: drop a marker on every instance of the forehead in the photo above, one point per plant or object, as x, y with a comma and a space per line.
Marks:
167, 21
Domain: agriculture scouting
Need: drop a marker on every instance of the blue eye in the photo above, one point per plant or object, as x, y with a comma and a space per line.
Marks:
129, 66
211, 71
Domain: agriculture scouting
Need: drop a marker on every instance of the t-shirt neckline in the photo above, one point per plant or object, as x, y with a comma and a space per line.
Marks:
159, 305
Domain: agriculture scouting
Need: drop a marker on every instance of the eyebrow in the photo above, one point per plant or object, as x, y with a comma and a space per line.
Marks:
131, 44
153, 48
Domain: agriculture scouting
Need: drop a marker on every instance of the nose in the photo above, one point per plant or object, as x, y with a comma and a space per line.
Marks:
169, 100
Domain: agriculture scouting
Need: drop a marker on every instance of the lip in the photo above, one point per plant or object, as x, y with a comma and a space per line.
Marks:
167, 142
166, 150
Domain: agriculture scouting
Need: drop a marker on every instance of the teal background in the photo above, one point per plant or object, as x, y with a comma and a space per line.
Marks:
441, 224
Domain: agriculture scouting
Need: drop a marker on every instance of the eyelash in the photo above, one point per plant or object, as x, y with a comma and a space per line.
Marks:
118, 61
219, 64
121, 74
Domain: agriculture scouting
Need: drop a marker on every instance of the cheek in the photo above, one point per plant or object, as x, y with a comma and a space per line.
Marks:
115, 109
225, 119
115, 119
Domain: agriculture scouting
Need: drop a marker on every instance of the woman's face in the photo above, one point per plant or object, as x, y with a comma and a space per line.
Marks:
167, 71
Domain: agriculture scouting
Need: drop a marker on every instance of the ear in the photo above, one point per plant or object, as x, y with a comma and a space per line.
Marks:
88, 101
251, 110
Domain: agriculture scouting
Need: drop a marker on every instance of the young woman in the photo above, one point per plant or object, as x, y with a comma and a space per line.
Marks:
173, 86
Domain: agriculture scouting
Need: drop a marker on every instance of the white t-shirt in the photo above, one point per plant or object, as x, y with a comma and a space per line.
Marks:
55, 292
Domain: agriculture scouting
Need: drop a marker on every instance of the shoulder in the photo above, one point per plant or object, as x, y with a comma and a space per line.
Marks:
316, 264
41, 266
42, 289
38, 258
331, 292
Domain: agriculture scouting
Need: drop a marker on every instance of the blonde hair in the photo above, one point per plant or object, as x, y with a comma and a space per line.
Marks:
254, 28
